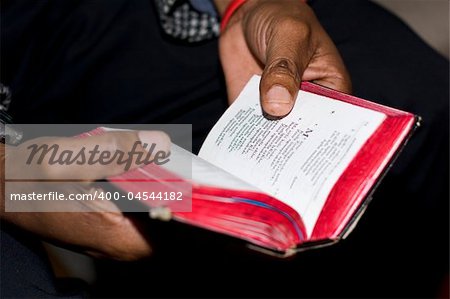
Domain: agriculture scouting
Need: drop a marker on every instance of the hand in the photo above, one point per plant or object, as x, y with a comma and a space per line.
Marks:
95, 227
284, 42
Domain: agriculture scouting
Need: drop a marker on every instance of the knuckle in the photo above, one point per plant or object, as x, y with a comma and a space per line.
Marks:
163, 137
47, 162
295, 27
124, 141
282, 67
112, 141
282, 71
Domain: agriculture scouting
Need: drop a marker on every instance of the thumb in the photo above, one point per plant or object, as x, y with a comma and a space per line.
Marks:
286, 60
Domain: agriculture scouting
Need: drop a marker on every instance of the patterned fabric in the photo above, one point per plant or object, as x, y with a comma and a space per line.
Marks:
5, 97
187, 20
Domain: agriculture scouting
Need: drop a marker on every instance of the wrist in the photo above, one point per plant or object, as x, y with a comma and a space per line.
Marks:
229, 11
230, 8
236, 10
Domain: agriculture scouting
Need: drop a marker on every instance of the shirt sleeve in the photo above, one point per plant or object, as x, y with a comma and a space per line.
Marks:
204, 6
188, 20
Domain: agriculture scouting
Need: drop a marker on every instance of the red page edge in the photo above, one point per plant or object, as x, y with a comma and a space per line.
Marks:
338, 216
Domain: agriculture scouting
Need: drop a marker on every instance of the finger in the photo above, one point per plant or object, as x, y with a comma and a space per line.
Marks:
93, 157
327, 67
138, 147
337, 79
288, 54
96, 227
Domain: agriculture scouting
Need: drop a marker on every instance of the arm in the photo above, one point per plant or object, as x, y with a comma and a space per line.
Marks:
97, 228
284, 42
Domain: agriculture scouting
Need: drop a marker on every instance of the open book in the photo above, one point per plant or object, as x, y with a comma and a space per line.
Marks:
295, 183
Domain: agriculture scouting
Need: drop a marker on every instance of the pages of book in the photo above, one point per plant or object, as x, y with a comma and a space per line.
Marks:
297, 159
203, 172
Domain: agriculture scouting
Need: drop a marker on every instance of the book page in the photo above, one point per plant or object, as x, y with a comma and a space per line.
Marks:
203, 172
297, 159
199, 171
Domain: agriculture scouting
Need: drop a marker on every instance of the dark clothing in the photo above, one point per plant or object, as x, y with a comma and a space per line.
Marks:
109, 62
26, 271
105, 62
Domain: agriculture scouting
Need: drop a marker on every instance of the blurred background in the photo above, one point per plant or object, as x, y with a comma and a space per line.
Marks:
428, 18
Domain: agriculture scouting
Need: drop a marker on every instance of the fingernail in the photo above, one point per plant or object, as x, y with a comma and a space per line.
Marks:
278, 102
272, 117
278, 94
160, 139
